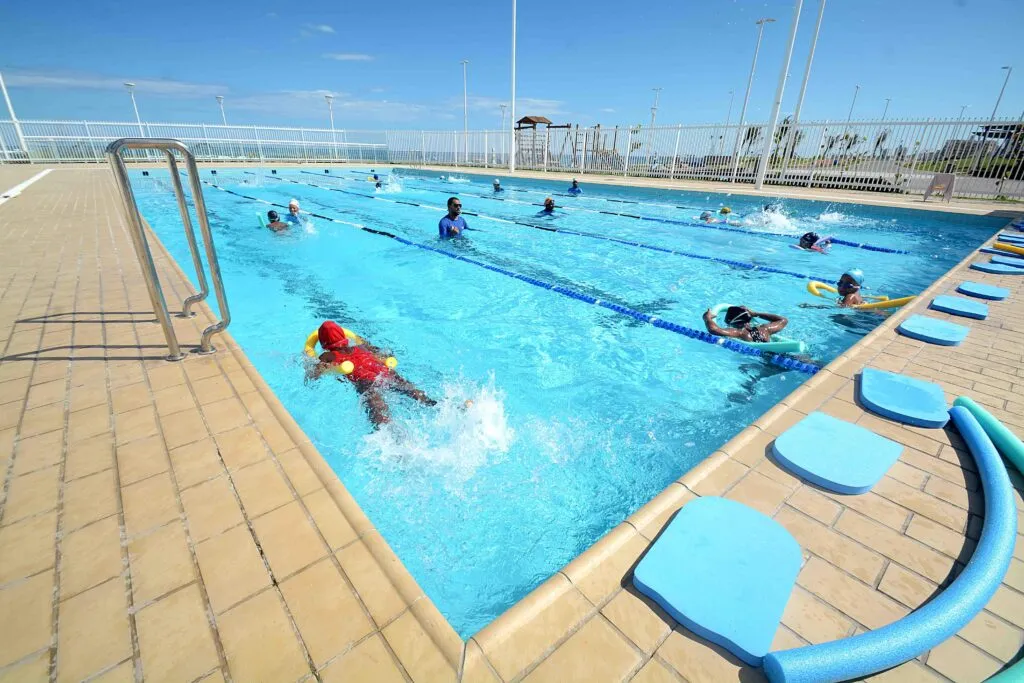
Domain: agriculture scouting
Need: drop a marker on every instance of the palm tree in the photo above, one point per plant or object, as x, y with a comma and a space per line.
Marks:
880, 141
752, 135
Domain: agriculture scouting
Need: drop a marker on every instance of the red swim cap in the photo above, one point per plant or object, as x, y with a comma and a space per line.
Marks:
331, 336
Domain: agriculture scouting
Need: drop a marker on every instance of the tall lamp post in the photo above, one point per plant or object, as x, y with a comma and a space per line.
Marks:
728, 117
650, 133
502, 129
886, 110
795, 122
138, 120
988, 129
856, 89
779, 92
334, 136
465, 115
746, 98
220, 103
512, 121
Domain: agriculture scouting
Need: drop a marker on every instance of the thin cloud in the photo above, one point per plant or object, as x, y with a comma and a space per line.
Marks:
39, 79
293, 104
608, 110
527, 105
348, 57
320, 28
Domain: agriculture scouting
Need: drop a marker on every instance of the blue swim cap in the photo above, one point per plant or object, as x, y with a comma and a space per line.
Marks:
856, 274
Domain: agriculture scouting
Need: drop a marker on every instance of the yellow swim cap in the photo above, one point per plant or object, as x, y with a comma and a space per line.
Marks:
347, 367
391, 362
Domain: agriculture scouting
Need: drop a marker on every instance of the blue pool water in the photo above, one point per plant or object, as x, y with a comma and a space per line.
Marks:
580, 414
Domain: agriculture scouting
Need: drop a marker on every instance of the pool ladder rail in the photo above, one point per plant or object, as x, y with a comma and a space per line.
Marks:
138, 233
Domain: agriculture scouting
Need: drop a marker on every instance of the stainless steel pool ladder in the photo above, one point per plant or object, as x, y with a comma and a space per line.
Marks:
138, 233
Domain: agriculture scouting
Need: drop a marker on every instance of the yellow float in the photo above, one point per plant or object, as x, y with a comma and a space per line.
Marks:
1009, 248
346, 367
877, 302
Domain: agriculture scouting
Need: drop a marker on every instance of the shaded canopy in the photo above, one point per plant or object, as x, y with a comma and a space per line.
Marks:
532, 122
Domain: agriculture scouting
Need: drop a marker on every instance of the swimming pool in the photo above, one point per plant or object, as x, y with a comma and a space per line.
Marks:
580, 414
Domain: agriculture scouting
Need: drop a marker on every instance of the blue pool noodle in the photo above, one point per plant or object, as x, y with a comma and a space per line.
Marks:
926, 627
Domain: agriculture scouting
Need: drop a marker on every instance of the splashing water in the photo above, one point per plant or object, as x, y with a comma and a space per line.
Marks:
773, 220
832, 217
392, 186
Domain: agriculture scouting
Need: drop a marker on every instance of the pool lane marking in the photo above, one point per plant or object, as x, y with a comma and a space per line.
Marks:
669, 221
17, 189
782, 361
739, 264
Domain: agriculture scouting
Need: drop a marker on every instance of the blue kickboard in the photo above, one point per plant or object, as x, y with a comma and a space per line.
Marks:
835, 454
933, 331
983, 291
997, 269
904, 399
1008, 260
999, 252
725, 571
957, 305
1007, 237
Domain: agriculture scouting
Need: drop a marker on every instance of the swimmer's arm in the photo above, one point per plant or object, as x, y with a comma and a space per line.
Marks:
776, 323
713, 328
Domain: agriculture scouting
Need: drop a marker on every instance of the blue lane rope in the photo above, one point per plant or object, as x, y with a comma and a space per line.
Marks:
782, 361
668, 221
686, 254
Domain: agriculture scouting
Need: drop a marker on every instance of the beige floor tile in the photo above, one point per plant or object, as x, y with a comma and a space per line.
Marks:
195, 463
36, 670
1015, 575
475, 668
44, 419
288, 540
275, 435
866, 605
911, 553
183, 428
88, 499
10, 414
785, 639
329, 519
910, 672
232, 567
813, 620
877, 508
654, 672
149, 503
92, 631
720, 479
940, 537
906, 586
699, 661
241, 447
89, 456
28, 612
166, 375
328, 614
369, 662
911, 476
261, 488
417, 652
1008, 604
212, 389
173, 399
961, 662
160, 561
31, 494
84, 424
210, 508
814, 505
90, 556
381, 597
759, 492
122, 673
27, 547
223, 416
131, 397
141, 459
994, 636
639, 618
300, 474
47, 393
199, 367
175, 639
135, 424
6, 446
834, 547
38, 452
608, 564
259, 642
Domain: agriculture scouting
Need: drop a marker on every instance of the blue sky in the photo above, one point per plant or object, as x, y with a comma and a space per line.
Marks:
396, 63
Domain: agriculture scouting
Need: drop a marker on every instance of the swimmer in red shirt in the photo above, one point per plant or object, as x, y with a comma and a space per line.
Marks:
368, 371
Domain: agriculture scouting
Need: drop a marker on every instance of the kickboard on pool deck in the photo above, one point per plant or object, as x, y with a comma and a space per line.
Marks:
1008, 260
933, 330
1000, 252
724, 571
834, 454
983, 291
904, 399
997, 268
1010, 237
958, 305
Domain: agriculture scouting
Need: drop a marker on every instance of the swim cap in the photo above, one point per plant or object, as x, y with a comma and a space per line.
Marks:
706, 215
294, 202
273, 216
856, 274
497, 182
737, 315
809, 239
331, 336
725, 209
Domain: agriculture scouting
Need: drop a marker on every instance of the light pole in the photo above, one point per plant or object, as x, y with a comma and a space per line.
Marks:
654, 109
334, 137
988, 129
886, 110
856, 89
465, 115
502, 129
779, 92
138, 120
728, 117
14, 119
791, 147
650, 132
746, 98
962, 109
220, 103
512, 121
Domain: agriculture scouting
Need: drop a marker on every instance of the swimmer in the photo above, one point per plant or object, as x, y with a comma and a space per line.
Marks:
849, 288
725, 211
370, 375
378, 185
772, 208
293, 213
708, 217
740, 321
575, 188
497, 186
812, 242
452, 224
275, 224
549, 208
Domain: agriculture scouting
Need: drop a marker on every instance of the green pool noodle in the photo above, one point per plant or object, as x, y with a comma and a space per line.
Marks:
1006, 441
259, 218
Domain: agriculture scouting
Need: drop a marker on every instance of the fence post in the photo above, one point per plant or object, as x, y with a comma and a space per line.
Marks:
629, 151
675, 153
818, 156
487, 152
423, 148
547, 142
259, 143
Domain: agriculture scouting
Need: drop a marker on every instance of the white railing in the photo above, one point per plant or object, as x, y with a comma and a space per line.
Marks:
883, 156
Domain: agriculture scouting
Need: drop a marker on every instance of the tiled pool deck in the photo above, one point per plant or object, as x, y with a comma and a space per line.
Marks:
170, 521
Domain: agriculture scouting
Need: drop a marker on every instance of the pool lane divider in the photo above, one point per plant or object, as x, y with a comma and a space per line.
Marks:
655, 219
781, 361
686, 254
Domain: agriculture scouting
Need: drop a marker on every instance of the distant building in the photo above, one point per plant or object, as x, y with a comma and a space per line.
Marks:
964, 149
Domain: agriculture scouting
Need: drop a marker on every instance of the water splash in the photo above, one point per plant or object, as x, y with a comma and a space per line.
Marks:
392, 186
832, 217
776, 221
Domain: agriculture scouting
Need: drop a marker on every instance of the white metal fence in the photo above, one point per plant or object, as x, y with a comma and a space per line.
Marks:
882, 156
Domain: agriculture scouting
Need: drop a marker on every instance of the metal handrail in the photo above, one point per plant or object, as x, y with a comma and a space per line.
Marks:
135, 225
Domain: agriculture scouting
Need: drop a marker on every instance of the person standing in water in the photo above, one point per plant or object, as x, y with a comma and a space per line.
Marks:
849, 286
452, 224
575, 187
497, 186
740, 324
293, 216
276, 224
549, 208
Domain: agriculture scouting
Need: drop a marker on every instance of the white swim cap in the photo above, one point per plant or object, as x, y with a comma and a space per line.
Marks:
497, 182
294, 202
